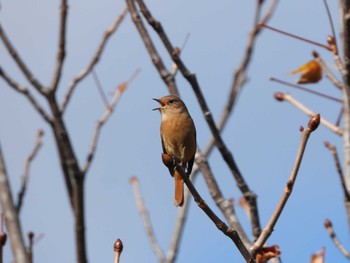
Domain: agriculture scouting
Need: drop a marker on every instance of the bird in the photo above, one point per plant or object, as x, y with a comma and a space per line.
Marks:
178, 136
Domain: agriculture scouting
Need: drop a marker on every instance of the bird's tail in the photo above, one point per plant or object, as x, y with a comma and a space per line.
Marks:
179, 189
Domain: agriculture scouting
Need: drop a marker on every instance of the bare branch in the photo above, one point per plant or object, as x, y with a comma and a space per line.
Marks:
223, 204
179, 225
146, 220
118, 249
23, 90
96, 57
20, 63
117, 94
267, 231
156, 59
12, 223
191, 78
61, 51
228, 231
306, 90
337, 243
27, 164
100, 88
240, 77
329, 74
296, 37
286, 97
334, 152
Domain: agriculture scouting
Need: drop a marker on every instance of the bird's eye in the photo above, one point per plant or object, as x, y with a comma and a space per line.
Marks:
171, 101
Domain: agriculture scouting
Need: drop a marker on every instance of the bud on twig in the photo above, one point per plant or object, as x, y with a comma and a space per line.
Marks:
314, 122
279, 96
118, 246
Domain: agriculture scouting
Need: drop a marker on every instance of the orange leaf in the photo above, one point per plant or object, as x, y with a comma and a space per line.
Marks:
266, 253
311, 72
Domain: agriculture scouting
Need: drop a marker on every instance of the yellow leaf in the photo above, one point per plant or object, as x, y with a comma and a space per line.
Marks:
311, 72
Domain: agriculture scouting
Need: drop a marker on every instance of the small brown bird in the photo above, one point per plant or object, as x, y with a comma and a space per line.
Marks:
178, 135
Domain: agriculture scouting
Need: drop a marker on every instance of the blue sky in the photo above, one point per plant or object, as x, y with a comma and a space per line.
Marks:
262, 134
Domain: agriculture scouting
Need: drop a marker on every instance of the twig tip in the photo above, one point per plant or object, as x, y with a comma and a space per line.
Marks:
118, 246
279, 96
133, 180
314, 122
328, 223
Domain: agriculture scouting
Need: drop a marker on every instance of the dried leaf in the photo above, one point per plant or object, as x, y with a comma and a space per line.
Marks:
311, 72
266, 253
318, 257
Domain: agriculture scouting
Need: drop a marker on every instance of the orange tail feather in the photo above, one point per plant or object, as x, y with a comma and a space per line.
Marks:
179, 189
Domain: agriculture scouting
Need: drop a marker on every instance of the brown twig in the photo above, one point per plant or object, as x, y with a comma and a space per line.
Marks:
340, 116
265, 234
99, 88
20, 63
191, 78
337, 243
334, 152
179, 225
30, 247
23, 90
156, 59
61, 50
96, 57
306, 90
118, 249
146, 220
174, 68
296, 37
222, 203
329, 74
228, 231
109, 110
11, 219
27, 164
286, 97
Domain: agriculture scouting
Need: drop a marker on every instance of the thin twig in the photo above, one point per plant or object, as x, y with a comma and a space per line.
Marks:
336, 241
265, 234
96, 57
23, 90
342, 178
286, 97
329, 74
320, 94
174, 68
340, 116
27, 164
296, 37
191, 78
20, 63
61, 50
11, 219
109, 110
222, 203
156, 59
146, 220
334, 152
99, 88
225, 229
118, 249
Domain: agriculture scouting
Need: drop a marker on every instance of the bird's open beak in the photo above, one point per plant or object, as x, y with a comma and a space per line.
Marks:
157, 100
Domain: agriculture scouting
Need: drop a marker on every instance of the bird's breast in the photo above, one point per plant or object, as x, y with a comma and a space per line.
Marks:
178, 136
